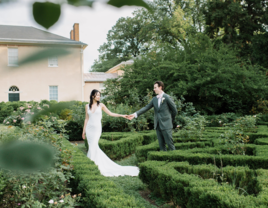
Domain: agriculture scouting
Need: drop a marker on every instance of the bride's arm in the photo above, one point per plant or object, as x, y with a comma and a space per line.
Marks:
85, 123
106, 110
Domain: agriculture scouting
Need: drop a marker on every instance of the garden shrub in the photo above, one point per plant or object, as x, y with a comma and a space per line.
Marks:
39, 187
262, 141
148, 137
199, 188
98, 190
213, 78
207, 173
220, 120
74, 131
119, 145
261, 133
66, 114
142, 151
6, 109
239, 177
235, 136
3, 183
112, 136
254, 158
121, 148
200, 156
261, 106
113, 124
193, 127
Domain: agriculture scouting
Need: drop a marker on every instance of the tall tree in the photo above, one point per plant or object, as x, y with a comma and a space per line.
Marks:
214, 79
241, 23
170, 22
126, 40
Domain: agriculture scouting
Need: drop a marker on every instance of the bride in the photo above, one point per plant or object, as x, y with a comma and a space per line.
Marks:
92, 130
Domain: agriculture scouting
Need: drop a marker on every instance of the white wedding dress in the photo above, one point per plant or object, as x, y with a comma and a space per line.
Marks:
106, 166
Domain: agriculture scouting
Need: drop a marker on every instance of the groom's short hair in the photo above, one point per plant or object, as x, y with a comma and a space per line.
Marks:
160, 84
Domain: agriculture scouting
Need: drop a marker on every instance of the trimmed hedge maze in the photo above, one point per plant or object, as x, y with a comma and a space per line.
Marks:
201, 174
117, 145
97, 190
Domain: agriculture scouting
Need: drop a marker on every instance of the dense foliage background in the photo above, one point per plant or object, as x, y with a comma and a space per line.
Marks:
214, 53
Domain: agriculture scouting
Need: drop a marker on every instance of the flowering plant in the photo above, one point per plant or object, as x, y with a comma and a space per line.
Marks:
17, 118
38, 188
66, 200
193, 128
234, 137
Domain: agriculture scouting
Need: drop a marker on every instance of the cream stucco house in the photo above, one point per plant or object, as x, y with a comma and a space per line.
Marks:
94, 80
54, 78
59, 78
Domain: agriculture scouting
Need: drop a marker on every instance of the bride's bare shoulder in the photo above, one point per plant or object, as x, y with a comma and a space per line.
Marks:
103, 106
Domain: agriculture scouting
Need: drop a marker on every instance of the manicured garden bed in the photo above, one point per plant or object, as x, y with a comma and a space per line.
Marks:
208, 175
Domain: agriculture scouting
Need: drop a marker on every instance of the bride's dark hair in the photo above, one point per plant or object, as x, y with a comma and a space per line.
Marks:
93, 95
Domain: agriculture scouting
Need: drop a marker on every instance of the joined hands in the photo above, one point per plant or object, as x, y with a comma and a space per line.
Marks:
129, 117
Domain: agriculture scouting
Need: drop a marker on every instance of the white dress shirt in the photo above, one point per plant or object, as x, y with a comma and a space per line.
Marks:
159, 101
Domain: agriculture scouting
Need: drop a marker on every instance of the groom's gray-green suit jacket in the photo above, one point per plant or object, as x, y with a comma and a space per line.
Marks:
164, 115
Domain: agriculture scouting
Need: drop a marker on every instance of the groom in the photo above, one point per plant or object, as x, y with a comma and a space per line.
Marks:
164, 114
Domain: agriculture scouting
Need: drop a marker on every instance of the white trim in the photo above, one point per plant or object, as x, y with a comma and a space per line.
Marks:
98, 80
14, 92
82, 73
18, 39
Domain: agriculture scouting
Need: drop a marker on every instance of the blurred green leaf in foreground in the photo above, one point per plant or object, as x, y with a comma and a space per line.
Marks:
46, 13
45, 54
25, 156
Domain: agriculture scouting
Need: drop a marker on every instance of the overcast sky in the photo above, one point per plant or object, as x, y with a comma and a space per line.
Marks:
94, 22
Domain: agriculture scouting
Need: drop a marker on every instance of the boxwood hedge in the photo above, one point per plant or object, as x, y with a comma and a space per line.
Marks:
97, 190
117, 145
198, 188
205, 174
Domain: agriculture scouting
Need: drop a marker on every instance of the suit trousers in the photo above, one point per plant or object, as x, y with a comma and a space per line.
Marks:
165, 137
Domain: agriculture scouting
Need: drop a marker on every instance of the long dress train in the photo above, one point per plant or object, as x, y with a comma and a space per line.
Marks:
106, 166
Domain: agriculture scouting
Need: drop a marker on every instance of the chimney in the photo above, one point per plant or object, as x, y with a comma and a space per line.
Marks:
76, 31
72, 35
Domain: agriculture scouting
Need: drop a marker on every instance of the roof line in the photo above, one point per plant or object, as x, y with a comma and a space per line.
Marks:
12, 39
97, 80
52, 33
123, 62
35, 28
94, 72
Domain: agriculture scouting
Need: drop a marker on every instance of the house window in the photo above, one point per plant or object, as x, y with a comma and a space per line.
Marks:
53, 62
53, 93
13, 94
13, 56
